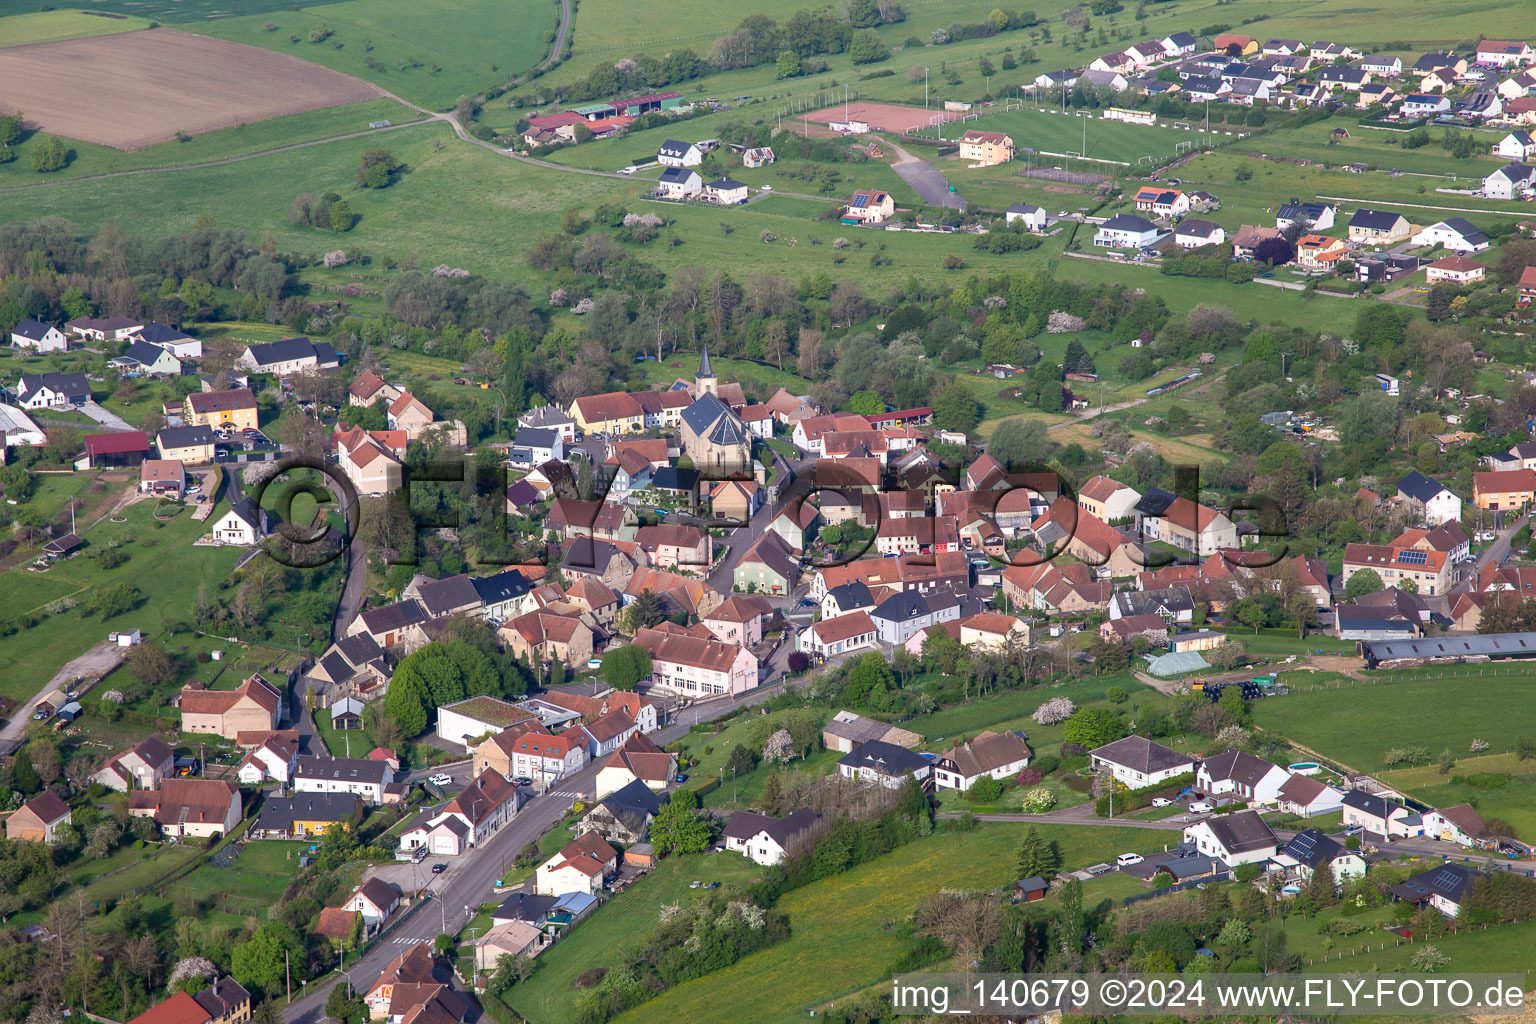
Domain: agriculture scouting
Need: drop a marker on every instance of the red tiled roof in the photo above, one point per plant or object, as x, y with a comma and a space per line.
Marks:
117, 444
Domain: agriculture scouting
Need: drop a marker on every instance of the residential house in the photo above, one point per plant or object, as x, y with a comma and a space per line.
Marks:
142, 766
223, 1002
676, 546
672, 153
763, 839
306, 815
231, 410
1137, 762
1381, 815
1512, 181
1428, 571
614, 412
1179, 44
1310, 851
288, 356
847, 731
189, 808
404, 983
1195, 528
114, 328
885, 764
739, 620
1445, 887
162, 476
1376, 227
547, 417
1456, 234
512, 939
1419, 104
1193, 233
52, 390
191, 446
1313, 217
1126, 231
679, 183
39, 819
986, 149
487, 803
375, 900
1345, 78
1435, 502
34, 334
623, 816
1503, 490
1505, 54
1319, 252
1383, 64
370, 389
993, 631
409, 414
143, 358
900, 616
757, 157
844, 634
255, 706
869, 207
1305, 796
363, 777
550, 636
581, 866
994, 755
638, 759
1460, 824
277, 757
694, 666
1241, 774
1517, 145
372, 460
1458, 270
1248, 237
1240, 838
1034, 218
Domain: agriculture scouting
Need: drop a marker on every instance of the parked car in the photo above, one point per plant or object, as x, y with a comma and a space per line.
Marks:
438, 869
440, 779
1200, 807
1125, 860
681, 778
1161, 801
523, 780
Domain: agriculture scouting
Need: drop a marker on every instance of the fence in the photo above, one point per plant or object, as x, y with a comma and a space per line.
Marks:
1190, 883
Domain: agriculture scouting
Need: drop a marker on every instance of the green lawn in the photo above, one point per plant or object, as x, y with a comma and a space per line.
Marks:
548, 998
250, 885
852, 914
48, 26
1435, 709
449, 48
92, 159
162, 563
1514, 801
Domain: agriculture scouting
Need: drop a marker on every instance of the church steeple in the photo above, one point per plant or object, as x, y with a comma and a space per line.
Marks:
704, 381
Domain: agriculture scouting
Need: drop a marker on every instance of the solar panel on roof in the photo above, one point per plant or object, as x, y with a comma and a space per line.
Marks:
1413, 557
860, 201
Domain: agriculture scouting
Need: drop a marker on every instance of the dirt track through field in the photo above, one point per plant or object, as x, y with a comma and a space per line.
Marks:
137, 89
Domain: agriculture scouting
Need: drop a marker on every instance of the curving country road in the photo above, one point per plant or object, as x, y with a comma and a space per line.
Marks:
925, 179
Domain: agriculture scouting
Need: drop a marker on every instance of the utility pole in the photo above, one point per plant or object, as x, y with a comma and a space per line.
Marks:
288, 974
925, 87
845, 101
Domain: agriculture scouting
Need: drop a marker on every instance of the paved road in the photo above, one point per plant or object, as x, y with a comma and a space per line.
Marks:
926, 180
469, 880
1495, 552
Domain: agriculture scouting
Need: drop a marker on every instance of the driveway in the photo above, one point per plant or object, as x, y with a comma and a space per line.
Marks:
926, 180
107, 418
93, 664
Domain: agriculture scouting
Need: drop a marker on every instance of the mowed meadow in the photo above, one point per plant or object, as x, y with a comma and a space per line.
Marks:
430, 52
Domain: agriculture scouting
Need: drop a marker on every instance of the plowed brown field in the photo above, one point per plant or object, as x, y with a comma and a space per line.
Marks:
136, 89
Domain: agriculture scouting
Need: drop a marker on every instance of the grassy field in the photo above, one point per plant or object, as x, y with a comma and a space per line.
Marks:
428, 51
548, 998
1048, 131
1368, 146
91, 159
1450, 709
854, 914
51, 26
33, 656
1514, 801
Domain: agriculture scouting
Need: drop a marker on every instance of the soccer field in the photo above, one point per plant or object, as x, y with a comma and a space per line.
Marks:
1051, 132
